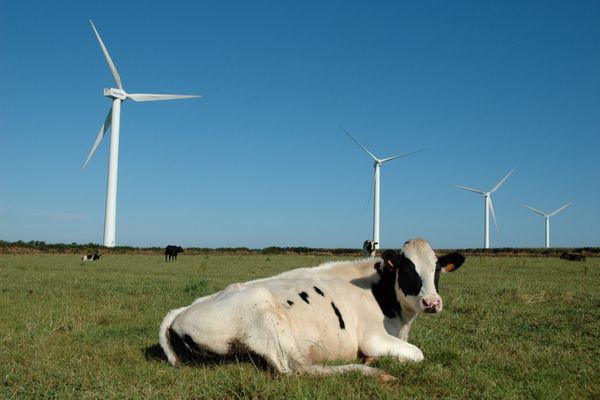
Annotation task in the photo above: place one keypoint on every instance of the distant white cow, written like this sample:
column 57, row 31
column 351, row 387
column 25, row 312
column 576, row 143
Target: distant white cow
column 301, row 318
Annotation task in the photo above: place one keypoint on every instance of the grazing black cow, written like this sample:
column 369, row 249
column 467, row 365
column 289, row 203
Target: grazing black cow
column 91, row 257
column 171, row 252
column 572, row 257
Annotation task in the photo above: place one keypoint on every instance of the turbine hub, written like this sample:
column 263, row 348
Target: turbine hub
column 115, row 93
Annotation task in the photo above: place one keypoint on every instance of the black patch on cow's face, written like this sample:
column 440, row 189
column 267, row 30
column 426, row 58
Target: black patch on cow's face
column 304, row 296
column 291, row 303
column 409, row 279
column 319, row 291
column 339, row 315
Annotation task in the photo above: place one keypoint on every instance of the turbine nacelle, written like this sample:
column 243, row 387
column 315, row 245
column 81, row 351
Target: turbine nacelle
column 115, row 93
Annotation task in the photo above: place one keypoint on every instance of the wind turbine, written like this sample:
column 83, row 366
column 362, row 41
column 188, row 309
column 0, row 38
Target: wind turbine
column 376, row 183
column 547, row 218
column 489, row 207
column 113, row 118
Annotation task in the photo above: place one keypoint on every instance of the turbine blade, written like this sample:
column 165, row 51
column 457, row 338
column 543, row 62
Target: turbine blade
column 560, row 209
column 402, row 155
column 111, row 65
column 502, row 181
column 469, row 189
column 534, row 210
column 156, row 97
column 101, row 134
column 493, row 213
column 358, row 143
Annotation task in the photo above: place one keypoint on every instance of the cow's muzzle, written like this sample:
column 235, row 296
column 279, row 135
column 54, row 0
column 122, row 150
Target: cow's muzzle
column 431, row 305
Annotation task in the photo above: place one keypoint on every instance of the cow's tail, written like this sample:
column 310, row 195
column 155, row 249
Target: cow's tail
column 164, row 335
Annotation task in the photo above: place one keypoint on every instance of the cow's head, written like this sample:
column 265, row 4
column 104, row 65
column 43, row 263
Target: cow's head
column 417, row 272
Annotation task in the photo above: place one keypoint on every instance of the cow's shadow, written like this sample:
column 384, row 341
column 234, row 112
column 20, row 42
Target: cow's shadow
column 156, row 353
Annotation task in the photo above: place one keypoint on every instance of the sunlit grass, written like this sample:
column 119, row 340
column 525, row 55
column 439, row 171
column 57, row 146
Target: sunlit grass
column 512, row 327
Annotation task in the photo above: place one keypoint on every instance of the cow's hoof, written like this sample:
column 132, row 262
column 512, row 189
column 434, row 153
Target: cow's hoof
column 386, row 378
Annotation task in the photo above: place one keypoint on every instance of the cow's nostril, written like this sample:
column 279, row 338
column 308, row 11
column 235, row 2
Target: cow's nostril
column 431, row 305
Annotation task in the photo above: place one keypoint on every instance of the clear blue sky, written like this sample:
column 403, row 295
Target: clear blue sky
column 260, row 160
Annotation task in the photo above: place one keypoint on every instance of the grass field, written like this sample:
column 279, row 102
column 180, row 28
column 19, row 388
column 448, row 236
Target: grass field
column 512, row 327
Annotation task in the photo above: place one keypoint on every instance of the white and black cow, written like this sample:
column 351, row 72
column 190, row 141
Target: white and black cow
column 171, row 252
column 301, row 318
column 91, row 257
column 369, row 248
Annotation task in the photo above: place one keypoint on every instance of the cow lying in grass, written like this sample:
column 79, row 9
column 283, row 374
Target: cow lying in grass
column 91, row 257
column 302, row 318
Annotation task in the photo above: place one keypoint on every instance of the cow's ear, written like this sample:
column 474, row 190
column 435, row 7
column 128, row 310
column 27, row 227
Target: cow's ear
column 451, row 261
column 390, row 259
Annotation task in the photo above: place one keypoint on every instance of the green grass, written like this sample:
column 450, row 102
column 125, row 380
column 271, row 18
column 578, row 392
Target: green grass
column 514, row 327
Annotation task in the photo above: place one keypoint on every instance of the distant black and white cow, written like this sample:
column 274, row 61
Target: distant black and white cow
column 91, row 257
column 369, row 248
column 302, row 318
column 171, row 252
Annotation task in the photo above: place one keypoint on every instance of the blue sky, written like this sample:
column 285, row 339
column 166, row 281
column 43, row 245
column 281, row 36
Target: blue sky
column 260, row 160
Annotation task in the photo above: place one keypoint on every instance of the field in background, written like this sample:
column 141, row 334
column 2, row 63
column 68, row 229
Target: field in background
column 512, row 327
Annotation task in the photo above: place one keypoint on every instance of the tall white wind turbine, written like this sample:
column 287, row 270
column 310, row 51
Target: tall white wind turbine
column 377, row 184
column 547, row 218
column 113, row 118
column 489, row 207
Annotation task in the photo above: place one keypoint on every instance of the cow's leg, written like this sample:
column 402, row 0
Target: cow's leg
column 387, row 345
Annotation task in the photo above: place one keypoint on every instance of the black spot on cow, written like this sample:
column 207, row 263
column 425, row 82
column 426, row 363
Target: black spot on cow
column 339, row 315
column 304, row 296
column 291, row 303
column 385, row 293
column 319, row 291
column 193, row 346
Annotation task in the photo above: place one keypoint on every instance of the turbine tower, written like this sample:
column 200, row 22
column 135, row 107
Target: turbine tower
column 117, row 95
column 488, row 207
column 377, row 184
column 547, row 218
